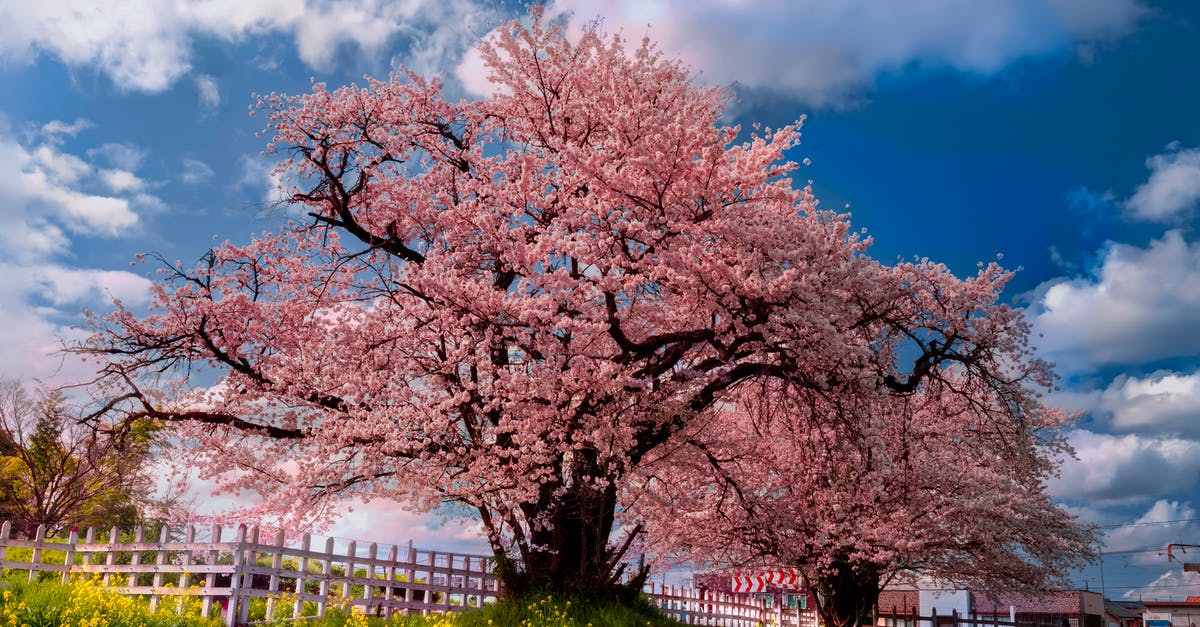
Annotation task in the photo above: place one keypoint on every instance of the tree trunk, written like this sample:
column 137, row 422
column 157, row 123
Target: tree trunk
column 572, row 554
column 848, row 593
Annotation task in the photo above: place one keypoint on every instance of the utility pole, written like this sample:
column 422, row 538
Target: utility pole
column 1188, row 567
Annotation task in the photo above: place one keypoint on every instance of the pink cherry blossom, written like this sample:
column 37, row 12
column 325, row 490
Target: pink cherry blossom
column 519, row 304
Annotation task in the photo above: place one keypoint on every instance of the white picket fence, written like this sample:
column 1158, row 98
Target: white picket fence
column 222, row 569
column 705, row 607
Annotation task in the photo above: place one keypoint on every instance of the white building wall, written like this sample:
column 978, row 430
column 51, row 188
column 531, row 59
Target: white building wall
column 945, row 602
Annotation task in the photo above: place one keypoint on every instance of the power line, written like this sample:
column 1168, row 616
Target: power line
column 1153, row 549
column 1150, row 523
column 1177, row 584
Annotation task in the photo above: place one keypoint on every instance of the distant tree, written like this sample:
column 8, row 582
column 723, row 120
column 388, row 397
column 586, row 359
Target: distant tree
column 946, row 483
column 57, row 472
column 514, row 303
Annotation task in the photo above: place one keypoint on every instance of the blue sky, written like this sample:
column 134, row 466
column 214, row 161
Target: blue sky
column 1061, row 134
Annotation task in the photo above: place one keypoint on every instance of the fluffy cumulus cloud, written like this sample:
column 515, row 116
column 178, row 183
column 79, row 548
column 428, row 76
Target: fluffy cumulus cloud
column 1163, row 402
column 1139, row 305
column 823, row 50
column 819, row 50
column 1163, row 523
column 146, row 44
column 40, row 303
column 51, row 198
column 1172, row 584
column 1126, row 468
column 47, row 190
column 1172, row 192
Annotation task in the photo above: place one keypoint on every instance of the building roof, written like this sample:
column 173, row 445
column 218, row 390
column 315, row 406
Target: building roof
column 1124, row 609
column 1189, row 604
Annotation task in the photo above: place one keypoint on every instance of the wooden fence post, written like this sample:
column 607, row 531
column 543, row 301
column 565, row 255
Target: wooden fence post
column 5, row 530
column 111, row 556
column 69, row 559
column 159, row 560
column 412, row 573
column 347, row 593
column 36, row 560
column 326, row 573
column 430, row 581
column 276, row 566
column 185, row 581
column 248, row 563
column 139, row 536
column 89, row 539
column 235, row 579
column 390, row 572
column 301, row 588
column 210, row 580
column 368, row 589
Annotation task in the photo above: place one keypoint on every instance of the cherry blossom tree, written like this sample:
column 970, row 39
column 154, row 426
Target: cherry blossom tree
column 944, row 484
column 511, row 303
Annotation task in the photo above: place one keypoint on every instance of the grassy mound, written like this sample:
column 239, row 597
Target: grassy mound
column 545, row 610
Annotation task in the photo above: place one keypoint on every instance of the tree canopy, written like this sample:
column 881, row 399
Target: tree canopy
column 514, row 303
column 945, row 485
column 59, row 473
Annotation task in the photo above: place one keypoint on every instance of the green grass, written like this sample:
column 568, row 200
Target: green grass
column 49, row 604
column 80, row 603
column 545, row 610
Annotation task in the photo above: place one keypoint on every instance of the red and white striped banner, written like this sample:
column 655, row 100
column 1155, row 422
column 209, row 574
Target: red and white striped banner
column 757, row 582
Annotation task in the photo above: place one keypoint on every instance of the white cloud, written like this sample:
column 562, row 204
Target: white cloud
column 146, row 45
column 1126, row 468
column 39, row 305
column 89, row 287
column 122, row 180
column 1165, row 522
column 824, row 50
column 195, row 172
column 118, row 155
column 1140, row 305
column 819, row 50
column 1172, row 584
column 50, row 197
column 361, row 522
column 44, row 183
column 357, row 519
column 1172, row 192
column 1163, row 402
column 259, row 173
column 208, row 90
column 53, row 129
column 62, row 168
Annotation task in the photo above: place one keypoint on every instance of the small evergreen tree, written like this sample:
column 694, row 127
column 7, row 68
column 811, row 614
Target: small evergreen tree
column 57, row 473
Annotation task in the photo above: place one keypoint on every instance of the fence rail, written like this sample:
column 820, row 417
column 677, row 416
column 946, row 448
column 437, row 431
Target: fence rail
column 705, row 607
column 227, row 568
